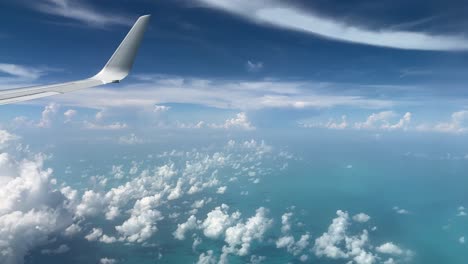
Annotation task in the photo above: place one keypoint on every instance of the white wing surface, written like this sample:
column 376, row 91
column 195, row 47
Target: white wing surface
column 116, row 69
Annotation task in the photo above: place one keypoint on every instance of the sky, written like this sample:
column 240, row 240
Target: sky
column 262, row 88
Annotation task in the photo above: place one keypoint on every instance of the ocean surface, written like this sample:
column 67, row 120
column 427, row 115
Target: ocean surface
column 414, row 190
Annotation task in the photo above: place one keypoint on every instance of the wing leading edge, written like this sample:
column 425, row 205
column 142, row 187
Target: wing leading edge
column 115, row 70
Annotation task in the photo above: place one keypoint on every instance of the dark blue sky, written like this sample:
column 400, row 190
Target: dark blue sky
column 216, row 40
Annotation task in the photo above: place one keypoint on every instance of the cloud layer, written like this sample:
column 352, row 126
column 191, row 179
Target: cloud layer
column 283, row 15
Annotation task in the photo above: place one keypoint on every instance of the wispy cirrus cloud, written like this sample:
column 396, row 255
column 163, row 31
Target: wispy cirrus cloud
column 287, row 16
column 21, row 71
column 80, row 11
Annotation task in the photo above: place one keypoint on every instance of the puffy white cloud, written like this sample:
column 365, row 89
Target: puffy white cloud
column 327, row 244
column 217, row 221
column 461, row 240
column 72, row 230
column 69, row 115
column 5, row 138
column 161, row 108
column 31, row 209
column 241, row 121
column 49, row 112
column 207, row 258
column 361, row 218
column 141, row 224
column 381, row 120
column 458, row 124
column 94, row 235
column 288, row 16
column 336, row 243
column 389, row 248
column 91, row 204
column 191, row 224
column 240, row 236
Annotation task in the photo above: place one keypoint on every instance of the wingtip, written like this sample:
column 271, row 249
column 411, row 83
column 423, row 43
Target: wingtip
column 145, row 16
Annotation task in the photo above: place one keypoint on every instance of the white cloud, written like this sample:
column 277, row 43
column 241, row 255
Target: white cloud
column 131, row 139
column 49, row 112
column 23, row 72
column 217, row 221
column 361, row 218
column 390, row 249
column 331, row 124
column 112, row 126
column 6, row 137
column 240, row 236
column 30, row 207
column 94, row 235
column 237, row 94
column 254, row 66
column 382, row 121
column 107, row 261
column 284, row 15
column 183, row 228
column 69, row 115
column 80, row 11
column 457, row 125
column 207, row 258
column 161, row 108
column 461, row 240
column 399, row 210
column 336, row 243
column 240, row 121
column 141, row 224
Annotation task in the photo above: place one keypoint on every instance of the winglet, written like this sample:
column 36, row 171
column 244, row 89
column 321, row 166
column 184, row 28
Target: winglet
column 121, row 62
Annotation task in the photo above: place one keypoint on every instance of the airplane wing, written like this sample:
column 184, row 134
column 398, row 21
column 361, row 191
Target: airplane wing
column 116, row 69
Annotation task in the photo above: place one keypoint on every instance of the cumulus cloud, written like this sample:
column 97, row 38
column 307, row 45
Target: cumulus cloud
column 47, row 114
column 31, row 209
column 80, row 11
column 390, row 248
column 382, row 121
column 69, row 115
column 141, row 224
column 240, row 122
column 337, row 243
column 458, row 124
column 161, row 108
column 287, row 16
column 361, row 218
column 240, row 237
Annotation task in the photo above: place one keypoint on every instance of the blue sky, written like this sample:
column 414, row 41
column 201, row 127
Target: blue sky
column 267, row 131
column 307, row 62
